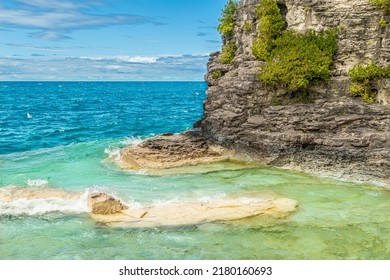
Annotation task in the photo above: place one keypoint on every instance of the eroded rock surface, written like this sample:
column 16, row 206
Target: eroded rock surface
column 330, row 133
column 171, row 150
column 105, row 208
column 196, row 213
column 104, row 204
column 333, row 133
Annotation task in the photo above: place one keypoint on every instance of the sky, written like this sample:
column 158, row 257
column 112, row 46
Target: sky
column 107, row 40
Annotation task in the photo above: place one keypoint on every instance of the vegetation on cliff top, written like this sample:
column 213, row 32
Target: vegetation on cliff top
column 226, row 28
column 270, row 28
column 364, row 78
column 227, row 21
column 298, row 61
column 293, row 61
column 382, row 4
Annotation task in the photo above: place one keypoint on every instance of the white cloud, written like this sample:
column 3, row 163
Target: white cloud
column 36, row 48
column 123, row 68
column 53, row 19
column 139, row 59
column 49, row 35
column 56, row 4
column 130, row 59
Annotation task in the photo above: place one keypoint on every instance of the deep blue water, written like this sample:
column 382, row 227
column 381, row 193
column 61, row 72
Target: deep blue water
column 35, row 115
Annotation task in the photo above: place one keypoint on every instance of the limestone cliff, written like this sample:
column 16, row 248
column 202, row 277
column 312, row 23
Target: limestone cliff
column 333, row 133
column 329, row 132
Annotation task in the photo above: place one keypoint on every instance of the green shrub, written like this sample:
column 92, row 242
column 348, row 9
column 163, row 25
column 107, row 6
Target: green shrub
column 363, row 77
column 341, row 28
column 382, row 23
column 228, row 53
column 363, row 90
column 362, row 73
column 248, row 26
column 298, row 61
column 270, row 28
column 216, row 74
column 227, row 21
column 382, row 4
column 293, row 61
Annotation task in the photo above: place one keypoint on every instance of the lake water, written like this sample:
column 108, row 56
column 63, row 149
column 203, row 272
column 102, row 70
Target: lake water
column 59, row 135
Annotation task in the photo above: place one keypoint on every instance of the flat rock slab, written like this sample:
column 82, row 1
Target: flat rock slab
column 171, row 151
column 12, row 193
column 107, row 209
column 197, row 213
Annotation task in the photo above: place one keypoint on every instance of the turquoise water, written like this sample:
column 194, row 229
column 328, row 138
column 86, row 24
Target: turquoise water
column 60, row 135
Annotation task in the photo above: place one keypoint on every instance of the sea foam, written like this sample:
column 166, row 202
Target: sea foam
column 132, row 141
column 113, row 153
column 37, row 183
column 39, row 206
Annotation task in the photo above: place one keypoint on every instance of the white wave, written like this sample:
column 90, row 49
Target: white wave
column 131, row 141
column 113, row 153
column 37, row 183
column 41, row 206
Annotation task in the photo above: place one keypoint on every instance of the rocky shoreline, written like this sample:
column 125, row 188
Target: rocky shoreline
column 329, row 132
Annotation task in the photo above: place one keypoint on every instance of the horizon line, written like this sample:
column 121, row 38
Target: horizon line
column 102, row 81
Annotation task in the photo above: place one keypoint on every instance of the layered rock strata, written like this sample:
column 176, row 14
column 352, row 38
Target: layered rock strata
column 333, row 133
column 329, row 133
column 170, row 151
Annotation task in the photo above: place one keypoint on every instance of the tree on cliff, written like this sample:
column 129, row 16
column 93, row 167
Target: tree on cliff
column 227, row 21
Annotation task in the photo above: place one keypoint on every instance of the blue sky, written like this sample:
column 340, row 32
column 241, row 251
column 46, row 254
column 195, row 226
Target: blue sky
column 107, row 39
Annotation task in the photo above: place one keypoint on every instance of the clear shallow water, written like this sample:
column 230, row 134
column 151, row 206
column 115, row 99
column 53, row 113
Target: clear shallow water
column 335, row 220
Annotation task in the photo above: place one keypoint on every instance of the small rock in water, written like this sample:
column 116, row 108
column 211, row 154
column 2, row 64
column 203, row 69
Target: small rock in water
column 104, row 204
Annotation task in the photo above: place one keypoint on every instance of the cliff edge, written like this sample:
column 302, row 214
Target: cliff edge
column 330, row 132
column 321, row 128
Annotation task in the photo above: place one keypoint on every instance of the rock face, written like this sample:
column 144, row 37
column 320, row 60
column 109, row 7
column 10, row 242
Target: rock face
column 361, row 38
column 333, row 134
